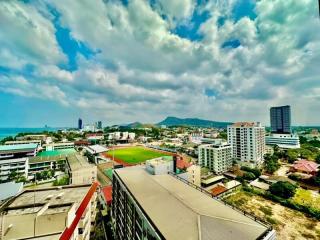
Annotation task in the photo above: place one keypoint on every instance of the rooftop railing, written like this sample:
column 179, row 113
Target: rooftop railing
column 248, row 214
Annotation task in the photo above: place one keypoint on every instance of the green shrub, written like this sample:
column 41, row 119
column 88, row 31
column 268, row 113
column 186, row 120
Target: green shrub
column 271, row 220
column 61, row 182
column 249, row 176
column 266, row 210
column 255, row 171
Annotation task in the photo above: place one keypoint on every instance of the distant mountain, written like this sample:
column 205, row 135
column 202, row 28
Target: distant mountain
column 135, row 125
column 174, row 121
column 139, row 125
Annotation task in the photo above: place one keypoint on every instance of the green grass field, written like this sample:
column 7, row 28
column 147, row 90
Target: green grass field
column 134, row 155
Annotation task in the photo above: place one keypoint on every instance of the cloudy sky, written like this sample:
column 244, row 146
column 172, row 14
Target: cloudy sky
column 138, row 60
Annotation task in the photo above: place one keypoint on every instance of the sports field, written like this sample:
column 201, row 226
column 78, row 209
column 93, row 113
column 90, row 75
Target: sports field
column 134, row 155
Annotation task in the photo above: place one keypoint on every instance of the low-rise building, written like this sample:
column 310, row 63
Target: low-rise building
column 17, row 165
column 93, row 152
column 192, row 174
column 14, row 158
column 284, row 141
column 147, row 206
column 217, row 156
column 40, row 163
column 260, row 185
column 45, row 213
column 305, row 166
column 57, row 146
column 41, row 137
column 80, row 170
column 131, row 135
column 39, row 142
column 161, row 165
column 18, row 150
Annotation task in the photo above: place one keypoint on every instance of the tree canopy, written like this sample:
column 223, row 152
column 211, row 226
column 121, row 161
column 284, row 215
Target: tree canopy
column 283, row 189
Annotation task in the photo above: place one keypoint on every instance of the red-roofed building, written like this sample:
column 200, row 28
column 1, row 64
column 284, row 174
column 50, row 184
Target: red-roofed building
column 181, row 164
column 305, row 166
column 218, row 190
column 81, row 143
column 107, row 194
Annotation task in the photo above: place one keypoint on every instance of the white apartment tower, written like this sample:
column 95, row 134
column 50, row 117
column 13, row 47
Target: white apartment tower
column 217, row 156
column 248, row 142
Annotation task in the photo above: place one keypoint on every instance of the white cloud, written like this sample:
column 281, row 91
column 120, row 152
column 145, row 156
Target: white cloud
column 144, row 72
column 54, row 72
column 177, row 10
column 28, row 35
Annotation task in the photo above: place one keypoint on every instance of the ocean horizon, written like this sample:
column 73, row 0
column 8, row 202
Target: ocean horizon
column 7, row 132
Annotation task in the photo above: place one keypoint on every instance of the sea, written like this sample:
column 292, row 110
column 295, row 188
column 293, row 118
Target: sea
column 7, row 132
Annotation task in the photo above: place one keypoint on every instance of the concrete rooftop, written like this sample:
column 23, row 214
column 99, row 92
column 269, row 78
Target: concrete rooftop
column 182, row 212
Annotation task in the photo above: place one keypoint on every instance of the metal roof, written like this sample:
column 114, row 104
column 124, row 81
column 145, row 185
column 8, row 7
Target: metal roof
column 9, row 189
column 18, row 147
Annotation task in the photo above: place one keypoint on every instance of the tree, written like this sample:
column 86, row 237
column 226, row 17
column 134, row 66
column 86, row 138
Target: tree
column 293, row 154
column 316, row 179
column 318, row 159
column 255, row 171
column 303, row 139
column 249, row 176
column 223, row 135
column 283, row 189
column 12, row 175
column 271, row 163
column 6, row 139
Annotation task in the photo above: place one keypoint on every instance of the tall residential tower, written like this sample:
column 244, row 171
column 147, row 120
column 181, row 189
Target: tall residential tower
column 248, row 142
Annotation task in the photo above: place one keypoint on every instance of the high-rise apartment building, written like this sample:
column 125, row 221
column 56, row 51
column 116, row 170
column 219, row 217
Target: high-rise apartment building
column 280, row 118
column 79, row 123
column 248, row 142
column 99, row 125
column 146, row 206
column 217, row 156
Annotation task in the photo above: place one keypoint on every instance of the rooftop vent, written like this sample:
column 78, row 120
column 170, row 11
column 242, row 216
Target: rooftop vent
column 60, row 195
column 49, row 197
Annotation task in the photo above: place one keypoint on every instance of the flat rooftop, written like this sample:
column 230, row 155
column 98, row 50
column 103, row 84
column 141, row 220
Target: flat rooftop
column 181, row 212
column 18, row 147
column 57, row 152
column 53, row 196
column 77, row 161
column 95, row 149
column 41, row 159
column 40, row 213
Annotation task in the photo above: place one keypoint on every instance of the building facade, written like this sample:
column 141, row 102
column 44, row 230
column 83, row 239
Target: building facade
column 14, row 158
column 280, row 118
column 217, row 156
column 284, row 141
column 248, row 142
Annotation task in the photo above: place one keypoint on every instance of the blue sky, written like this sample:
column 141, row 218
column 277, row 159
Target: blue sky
column 124, row 61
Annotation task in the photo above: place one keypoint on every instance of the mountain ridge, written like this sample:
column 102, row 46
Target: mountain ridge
column 196, row 122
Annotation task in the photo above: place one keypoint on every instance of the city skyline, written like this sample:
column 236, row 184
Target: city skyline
column 215, row 60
